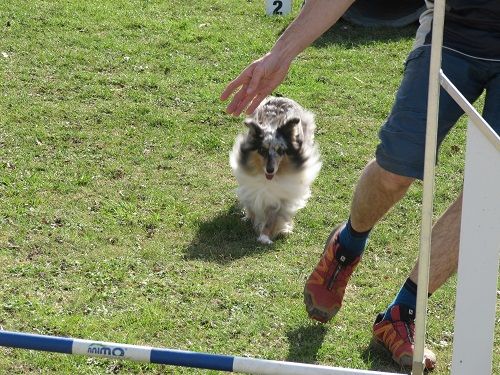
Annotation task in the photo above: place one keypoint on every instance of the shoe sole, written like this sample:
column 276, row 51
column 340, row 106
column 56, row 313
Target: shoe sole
column 404, row 361
column 315, row 312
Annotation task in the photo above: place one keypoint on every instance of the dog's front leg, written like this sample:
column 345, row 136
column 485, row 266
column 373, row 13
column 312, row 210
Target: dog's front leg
column 268, row 229
column 249, row 214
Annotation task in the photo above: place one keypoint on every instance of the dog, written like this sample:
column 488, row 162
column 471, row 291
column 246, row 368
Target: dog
column 275, row 163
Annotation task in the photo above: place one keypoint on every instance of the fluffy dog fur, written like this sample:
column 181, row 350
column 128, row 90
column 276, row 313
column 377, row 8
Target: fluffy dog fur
column 275, row 164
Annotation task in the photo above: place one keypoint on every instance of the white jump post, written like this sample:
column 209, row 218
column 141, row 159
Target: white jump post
column 480, row 228
column 479, row 254
column 428, row 190
column 479, row 245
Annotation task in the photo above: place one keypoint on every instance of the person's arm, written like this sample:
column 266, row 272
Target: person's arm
column 262, row 76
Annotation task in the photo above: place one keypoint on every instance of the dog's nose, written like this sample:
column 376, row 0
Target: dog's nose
column 270, row 170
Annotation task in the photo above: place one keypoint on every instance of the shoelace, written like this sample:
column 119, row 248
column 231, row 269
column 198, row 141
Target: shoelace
column 338, row 269
column 410, row 331
column 334, row 276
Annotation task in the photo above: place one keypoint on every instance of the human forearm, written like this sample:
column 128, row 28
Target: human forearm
column 316, row 17
column 262, row 76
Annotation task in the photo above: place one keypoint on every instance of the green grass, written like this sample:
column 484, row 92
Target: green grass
column 118, row 218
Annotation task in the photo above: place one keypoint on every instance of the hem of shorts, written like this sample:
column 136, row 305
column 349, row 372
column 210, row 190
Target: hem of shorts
column 397, row 168
column 461, row 53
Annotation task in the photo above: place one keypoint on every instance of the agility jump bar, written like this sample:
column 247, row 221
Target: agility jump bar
column 172, row 357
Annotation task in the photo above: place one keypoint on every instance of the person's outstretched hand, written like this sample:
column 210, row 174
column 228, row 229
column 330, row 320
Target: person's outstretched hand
column 257, row 81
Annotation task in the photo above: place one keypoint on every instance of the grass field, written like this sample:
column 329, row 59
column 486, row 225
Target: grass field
column 118, row 218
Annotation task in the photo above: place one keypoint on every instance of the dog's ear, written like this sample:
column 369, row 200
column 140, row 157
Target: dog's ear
column 292, row 130
column 254, row 128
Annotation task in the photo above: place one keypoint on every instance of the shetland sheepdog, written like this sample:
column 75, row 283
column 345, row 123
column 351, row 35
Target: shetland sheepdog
column 275, row 163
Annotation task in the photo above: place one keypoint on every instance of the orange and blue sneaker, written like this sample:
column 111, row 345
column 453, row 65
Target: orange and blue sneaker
column 325, row 287
column 396, row 336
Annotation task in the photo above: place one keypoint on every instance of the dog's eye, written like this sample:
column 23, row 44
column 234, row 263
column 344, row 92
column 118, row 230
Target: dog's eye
column 262, row 151
column 280, row 151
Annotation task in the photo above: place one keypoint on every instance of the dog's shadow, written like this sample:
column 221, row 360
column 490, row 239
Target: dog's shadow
column 225, row 238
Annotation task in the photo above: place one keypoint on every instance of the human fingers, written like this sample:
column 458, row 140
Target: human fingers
column 255, row 103
column 255, row 80
column 242, row 104
column 236, row 102
column 249, row 100
column 231, row 87
column 242, row 79
column 260, row 85
column 266, row 88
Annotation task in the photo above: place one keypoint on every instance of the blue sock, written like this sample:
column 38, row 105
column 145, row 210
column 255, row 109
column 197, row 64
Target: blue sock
column 353, row 242
column 407, row 296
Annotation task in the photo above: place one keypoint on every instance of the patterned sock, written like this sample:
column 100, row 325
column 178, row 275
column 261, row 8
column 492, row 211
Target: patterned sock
column 407, row 296
column 353, row 243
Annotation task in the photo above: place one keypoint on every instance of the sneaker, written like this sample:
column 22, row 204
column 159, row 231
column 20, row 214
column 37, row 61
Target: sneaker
column 396, row 336
column 325, row 287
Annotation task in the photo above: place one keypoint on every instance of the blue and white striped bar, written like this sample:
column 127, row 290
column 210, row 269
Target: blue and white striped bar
column 168, row 356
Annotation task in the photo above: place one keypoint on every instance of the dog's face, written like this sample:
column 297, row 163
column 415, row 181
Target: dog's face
column 274, row 144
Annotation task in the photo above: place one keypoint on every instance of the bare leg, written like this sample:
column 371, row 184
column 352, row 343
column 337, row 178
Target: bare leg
column 376, row 192
column 445, row 241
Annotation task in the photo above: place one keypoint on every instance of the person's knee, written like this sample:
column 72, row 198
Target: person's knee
column 392, row 182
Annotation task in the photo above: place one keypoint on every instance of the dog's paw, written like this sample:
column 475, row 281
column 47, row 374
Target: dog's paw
column 263, row 239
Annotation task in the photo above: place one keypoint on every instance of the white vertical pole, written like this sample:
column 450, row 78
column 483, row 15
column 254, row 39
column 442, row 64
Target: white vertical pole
column 479, row 255
column 428, row 193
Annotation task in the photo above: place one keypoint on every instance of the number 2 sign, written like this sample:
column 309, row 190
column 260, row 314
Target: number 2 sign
column 278, row 7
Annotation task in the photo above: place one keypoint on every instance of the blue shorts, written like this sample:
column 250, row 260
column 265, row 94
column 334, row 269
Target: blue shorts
column 402, row 137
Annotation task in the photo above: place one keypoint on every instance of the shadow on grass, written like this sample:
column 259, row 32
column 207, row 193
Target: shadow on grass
column 347, row 35
column 225, row 238
column 305, row 343
column 380, row 359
